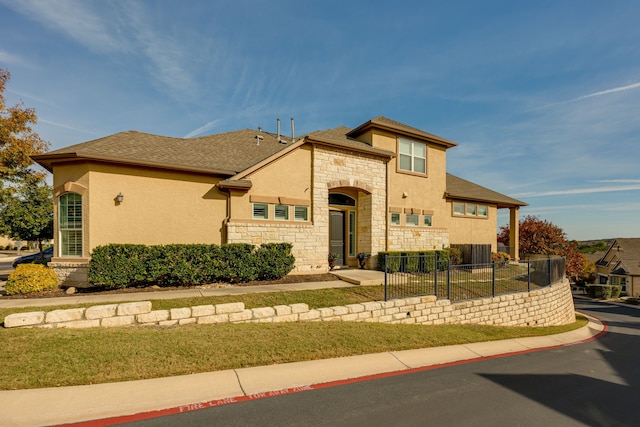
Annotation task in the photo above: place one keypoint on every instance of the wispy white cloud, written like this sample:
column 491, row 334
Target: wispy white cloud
column 580, row 191
column 65, row 126
column 204, row 128
column 608, row 91
column 11, row 59
column 75, row 19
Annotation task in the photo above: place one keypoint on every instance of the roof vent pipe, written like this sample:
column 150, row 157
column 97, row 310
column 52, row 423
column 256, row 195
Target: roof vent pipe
column 278, row 129
column 292, row 130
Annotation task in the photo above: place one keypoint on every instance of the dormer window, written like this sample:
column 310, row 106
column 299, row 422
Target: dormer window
column 412, row 156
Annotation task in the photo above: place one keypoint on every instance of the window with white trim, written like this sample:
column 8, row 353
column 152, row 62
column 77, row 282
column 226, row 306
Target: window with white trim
column 300, row 213
column 412, row 156
column 412, row 220
column 395, row 218
column 281, row 212
column 70, row 224
column 260, row 211
column 427, row 220
column 470, row 210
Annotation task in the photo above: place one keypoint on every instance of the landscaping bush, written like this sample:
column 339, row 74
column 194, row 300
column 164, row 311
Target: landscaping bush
column 274, row 260
column 616, row 290
column 414, row 261
column 120, row 266
column 599, row 291
column 28, row 278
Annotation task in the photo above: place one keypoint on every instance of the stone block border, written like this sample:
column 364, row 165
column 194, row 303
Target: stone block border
column 548, row 306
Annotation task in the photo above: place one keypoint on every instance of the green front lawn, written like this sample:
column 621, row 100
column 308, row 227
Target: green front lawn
column 33, row 358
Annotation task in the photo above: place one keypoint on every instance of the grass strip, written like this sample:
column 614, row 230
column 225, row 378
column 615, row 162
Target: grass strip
column 34, row 358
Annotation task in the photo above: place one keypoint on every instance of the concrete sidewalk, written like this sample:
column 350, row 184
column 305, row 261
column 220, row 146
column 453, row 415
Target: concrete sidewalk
column 190, row 392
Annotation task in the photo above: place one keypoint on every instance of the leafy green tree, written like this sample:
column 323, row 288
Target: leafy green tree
column 18, row 141
column 28, row 213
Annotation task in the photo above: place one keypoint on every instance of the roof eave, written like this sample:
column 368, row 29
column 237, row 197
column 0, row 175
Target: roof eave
column 434, row 139
column 47, row 161
column 501, row 204
column 369, row 150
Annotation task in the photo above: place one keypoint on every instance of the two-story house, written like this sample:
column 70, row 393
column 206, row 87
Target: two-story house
column 380, row 186
column 620, row 265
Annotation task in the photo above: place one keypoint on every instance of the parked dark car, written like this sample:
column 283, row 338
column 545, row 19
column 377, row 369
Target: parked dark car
column 28, row 259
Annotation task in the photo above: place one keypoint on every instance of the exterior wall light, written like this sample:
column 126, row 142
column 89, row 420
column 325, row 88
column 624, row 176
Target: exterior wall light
column 119, row 198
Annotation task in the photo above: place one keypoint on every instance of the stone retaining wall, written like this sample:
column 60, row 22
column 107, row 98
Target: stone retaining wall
column 548, row 306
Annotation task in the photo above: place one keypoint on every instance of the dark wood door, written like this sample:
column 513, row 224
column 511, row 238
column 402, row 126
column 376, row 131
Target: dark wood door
column 336, row 235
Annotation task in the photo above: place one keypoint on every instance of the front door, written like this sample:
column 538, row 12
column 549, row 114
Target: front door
column 336, row 235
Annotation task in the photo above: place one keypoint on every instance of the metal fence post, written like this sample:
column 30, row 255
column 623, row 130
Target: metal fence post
column 549, row 269
column 493, row 278
column 386, row 274
column 528, row 275
column 435, row 275
column 448, row 279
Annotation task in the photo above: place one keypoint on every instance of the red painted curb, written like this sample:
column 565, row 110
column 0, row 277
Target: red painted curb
column 226, row 401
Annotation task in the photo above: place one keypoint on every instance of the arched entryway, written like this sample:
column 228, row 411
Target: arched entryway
column 348, row 224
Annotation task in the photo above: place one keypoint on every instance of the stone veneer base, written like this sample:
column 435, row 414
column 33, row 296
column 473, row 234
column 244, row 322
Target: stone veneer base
column 548, row 306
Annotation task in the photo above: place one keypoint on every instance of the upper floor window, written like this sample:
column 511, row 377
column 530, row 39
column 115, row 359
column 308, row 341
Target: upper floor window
column 470, row 210
column 70, row 224
column 412, row 156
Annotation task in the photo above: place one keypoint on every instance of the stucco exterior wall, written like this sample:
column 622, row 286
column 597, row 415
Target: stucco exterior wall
column 470, row 230
column 159, row 207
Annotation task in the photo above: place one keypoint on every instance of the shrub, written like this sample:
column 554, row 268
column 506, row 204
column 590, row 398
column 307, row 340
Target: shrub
column 616, row 290
column 274, row 260
column 119, row 266
column 30, row 278
column 599, row 291
column 414, row 261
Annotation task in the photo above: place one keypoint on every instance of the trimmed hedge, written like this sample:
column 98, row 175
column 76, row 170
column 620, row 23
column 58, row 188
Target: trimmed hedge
column 124, row 265
column 30, row 278
column 422, row 261
column 603, row 291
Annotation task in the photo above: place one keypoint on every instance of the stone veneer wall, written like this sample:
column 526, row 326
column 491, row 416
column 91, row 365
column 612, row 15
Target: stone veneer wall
column 417, row 238
column 311, row 241
column 71, row 273
column 548, row 306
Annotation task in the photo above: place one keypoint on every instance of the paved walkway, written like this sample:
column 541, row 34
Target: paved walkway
column 137, row 399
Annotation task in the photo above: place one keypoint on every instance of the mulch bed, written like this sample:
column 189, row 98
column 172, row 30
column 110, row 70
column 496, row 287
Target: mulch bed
column 60, row 292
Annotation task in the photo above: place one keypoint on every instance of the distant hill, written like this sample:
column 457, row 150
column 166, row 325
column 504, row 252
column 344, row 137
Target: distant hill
column 593, row 246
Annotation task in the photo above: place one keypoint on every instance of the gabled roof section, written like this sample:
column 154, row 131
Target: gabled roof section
column 224, row 154
column 627, row 251
column 387, row 124
column 338, row 137
column 458, row 188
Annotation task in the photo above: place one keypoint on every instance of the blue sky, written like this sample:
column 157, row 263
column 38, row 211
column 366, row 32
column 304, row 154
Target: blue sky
column 543, row 97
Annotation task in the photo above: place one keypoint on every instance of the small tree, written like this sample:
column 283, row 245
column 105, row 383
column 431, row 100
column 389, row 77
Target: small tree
column 28, row 214
column 18, row 142
column 538, row 236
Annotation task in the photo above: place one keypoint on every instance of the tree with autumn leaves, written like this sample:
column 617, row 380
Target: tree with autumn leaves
column 26, row 206
column 539, row 236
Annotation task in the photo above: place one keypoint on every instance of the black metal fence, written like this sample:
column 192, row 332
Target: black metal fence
column 420, row 275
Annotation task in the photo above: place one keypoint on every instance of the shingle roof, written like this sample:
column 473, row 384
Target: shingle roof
column 386, row 123
column 338, row 137
column 225, row 153
column 629, row 254
column 458, row 188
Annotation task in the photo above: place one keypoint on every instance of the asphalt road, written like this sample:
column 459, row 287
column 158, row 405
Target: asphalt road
column 595, row 384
